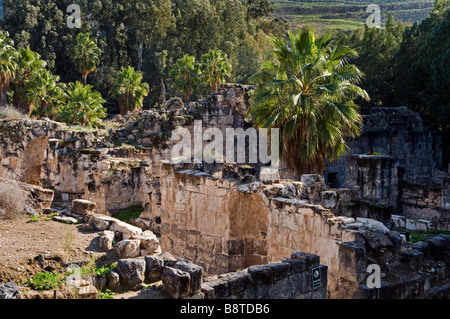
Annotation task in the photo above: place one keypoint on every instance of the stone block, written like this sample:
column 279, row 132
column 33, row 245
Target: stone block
column 195, row 272
column 149, row 241
column 279, row 289
column 261, row 274
column 220, row 289
column 127, row 230
column 131, row 272
column 128, row 248
column 10, row 291
column 280, row 270
column 238, row 282
column 310, row 259
column 235, row 247
column 297, row 265
column 106, row 240
column 83, row 207
column 176, row 282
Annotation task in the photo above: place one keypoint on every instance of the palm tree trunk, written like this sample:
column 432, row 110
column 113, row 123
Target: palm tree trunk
column 85, row 79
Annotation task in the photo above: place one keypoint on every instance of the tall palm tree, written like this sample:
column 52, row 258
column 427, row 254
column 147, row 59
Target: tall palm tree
column 185, row 75
column 215, row 67
column 8, row 64
column 85, row 54
column 129, row 90
column 308, row 91
column 28, row 66
column 83, row 106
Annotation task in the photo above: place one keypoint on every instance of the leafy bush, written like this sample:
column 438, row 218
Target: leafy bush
column 45, row 281
column 108, row 294
column 83, row 106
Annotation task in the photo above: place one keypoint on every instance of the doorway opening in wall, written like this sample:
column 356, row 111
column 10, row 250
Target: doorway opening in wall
column 333, row 180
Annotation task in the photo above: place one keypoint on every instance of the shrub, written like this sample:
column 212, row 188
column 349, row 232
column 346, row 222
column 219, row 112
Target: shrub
column 10, row 113
column 13, row 200
column 45, row 281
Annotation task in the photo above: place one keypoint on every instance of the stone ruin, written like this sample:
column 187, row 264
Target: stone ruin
column 226, row 232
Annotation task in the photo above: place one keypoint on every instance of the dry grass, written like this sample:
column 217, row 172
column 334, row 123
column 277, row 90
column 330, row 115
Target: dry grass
column 10, row 113
column 13, row 200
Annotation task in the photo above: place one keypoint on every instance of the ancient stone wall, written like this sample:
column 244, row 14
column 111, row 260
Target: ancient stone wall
column 373, row 178
column 291, row 278
column 224, row 227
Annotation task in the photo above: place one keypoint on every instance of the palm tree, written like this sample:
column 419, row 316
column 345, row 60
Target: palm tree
column 47, row 93
column 83, row 106
column 307, row 91
column 28, row 65
column 185, row 75
column 215, row 67
column 85, row 54
column 8, row 64
column 129, row 90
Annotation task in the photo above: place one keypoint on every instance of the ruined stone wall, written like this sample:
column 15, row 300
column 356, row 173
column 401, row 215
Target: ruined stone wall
column 291, row 278
column 373, row 178
column 74, row 164
column 224, row 227
column 425, row 202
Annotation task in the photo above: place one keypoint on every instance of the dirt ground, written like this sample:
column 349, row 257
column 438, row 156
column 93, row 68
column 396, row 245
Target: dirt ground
column 22, row 240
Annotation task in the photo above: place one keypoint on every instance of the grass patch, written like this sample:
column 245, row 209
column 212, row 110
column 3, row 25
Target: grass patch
column 421, row 235
column 130, row 213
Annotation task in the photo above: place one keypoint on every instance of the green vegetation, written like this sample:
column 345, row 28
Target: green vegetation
column 136, row 53
column 130, row 213
column 347, row 15
column 421, row 235
column 45, row 281
column 129, row 90
column 307, row 91
column 108, row 294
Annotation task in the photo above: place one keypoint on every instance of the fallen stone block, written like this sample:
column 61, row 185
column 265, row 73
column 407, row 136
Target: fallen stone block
column 149, row 241
column 83, row 207
column 176, row 282
column 195, row 272
column 106, row 240
column 127, row 230
column 128, row 248
column 131, row 272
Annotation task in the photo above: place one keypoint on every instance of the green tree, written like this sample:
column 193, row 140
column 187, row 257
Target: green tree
column 85, row 54
column 215, row 66
column 82, row 106
column 307, row 90
column 147, row 21
column 185, row 74
column 47, row 94
column 422, row 68
column 258, row 8
column 8, row 64
column 28, row 65
column 129, row 90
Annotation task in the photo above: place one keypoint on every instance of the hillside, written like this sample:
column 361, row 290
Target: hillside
column 347, row 15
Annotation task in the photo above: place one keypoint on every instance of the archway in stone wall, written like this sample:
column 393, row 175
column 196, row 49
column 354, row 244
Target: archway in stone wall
column 32, row 160
column 249, row 222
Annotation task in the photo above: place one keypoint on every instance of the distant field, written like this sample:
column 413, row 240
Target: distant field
column 347, row 15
